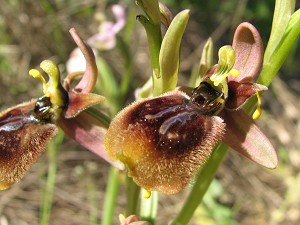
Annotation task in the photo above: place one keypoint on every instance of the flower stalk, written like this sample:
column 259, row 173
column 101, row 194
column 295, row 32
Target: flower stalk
column 111, row 197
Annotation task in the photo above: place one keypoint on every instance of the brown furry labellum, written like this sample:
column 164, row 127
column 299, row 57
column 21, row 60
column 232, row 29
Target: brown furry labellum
column 24, row 132
column 163, row 141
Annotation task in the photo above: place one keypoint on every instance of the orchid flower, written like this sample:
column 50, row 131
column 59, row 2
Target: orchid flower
column 105, row 39
column 239, row 65
column 164, row 140
column 26, row 128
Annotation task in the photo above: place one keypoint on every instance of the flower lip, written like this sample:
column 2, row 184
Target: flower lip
column 175, row 139
column 22, row 138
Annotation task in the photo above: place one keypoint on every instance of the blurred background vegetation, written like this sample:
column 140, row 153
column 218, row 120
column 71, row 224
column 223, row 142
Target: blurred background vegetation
column 242, row 193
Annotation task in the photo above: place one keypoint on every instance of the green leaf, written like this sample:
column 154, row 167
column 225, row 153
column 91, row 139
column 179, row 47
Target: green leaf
column 282, row 13
column 154, row 42
column 271, row 67
column 111, row 196
column 108, row 84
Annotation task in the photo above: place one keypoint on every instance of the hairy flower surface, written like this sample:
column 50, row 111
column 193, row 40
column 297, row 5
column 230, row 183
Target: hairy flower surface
column 163, row 140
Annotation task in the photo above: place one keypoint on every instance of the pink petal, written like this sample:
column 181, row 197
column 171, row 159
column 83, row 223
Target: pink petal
column 239, row 93
column 81, row 101
column 119, row 13
column 132, row 220
column 105, row 39
column 88, row 132
column 76, row 61
column 249, row 52
column 89, row 78
column 245, row 137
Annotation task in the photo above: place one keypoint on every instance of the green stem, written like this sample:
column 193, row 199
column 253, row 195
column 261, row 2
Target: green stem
column 92, row 194
column 111, row 195
column 47, row 199
column 203, row 180
column 127, row 74
column 154, row 37
column 108, row 84
column 132, row 195
column 104, row 119
column 148, row 210
column 154, row 40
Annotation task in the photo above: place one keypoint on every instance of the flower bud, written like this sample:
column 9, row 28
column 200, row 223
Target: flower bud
column 151, row 8
column 166, row 15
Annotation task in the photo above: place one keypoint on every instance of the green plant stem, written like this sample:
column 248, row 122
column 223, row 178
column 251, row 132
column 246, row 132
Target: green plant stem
column 154, row 41
column 202, row 182
column 148, row 210
column 127, row 70
column 108, row 84
column 92, row 194
column 132, row 196
column 47, row 198
column 111, row 196
column 104, row 119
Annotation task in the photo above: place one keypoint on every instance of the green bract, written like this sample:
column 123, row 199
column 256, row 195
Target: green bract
column 169, row 52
